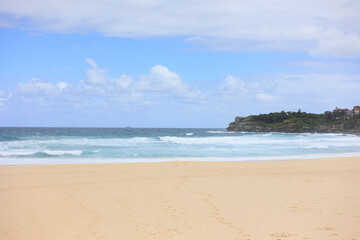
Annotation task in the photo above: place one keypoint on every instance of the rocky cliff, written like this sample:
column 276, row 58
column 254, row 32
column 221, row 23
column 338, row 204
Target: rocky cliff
column 305, row 123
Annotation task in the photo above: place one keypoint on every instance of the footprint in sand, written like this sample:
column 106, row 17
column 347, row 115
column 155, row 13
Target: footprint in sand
column 324, row 228
column 279, row 236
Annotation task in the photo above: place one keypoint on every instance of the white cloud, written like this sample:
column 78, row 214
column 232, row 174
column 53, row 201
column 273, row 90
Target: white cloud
column 95, row 75
column 319, row 86
column 232, row 85
column 38, row 87
column 123, row 82
column 161, row 79
column 161, row 85
column 166, row 80
column 298, row 89
column 48, row 92
column 338, row 45
column 4, row 97
column 325, row 65
column 164, row 95
column 162, row 88
column 98, row 86
column 266, row 97
column 246, row 87
column 61, row 85
column 320, row 27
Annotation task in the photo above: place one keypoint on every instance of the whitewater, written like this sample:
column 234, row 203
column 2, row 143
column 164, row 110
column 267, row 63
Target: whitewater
column 110, row 145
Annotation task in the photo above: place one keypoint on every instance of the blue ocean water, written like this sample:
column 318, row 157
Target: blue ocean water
column 101, row 145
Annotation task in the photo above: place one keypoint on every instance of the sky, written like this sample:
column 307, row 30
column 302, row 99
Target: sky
column 156, row 63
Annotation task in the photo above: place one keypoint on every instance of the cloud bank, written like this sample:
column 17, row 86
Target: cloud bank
column 97, row 86
column 162, row 86
column 321, row 27
column 161, row 97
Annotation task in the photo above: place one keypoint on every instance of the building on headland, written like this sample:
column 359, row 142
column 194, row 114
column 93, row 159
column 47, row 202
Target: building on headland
column 355, row 112
column 341, row 113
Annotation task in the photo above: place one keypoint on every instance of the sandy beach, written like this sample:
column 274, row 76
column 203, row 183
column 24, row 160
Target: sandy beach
column 297, row 199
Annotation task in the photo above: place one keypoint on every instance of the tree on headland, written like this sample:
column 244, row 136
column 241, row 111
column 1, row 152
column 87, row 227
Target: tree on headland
column 328, row 116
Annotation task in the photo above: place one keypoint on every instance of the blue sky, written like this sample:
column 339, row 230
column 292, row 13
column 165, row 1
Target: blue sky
column 174, row 63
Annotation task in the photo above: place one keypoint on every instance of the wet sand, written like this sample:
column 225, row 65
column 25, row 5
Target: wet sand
column 297, row 199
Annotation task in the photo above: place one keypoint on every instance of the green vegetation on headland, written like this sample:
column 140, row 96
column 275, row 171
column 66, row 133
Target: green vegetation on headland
column 298, row 122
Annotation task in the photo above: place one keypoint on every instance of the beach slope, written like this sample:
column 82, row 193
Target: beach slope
column 298, row 199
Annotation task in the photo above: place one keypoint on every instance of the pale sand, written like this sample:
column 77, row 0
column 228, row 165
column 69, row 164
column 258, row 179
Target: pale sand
column 307, row 199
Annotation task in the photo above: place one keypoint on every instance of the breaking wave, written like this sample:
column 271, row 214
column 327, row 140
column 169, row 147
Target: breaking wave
column 159, row 144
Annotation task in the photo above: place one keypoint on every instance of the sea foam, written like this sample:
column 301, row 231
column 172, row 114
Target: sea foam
column 134, row 145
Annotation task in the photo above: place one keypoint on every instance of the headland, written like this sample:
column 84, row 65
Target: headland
column 337, row 121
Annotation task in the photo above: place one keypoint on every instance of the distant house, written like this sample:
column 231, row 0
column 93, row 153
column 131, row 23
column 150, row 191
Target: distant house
column 341, row 113
column 355, row 112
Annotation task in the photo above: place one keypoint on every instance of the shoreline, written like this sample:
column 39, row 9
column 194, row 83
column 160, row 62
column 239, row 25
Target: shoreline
column 176, row 162
column 298, row 199
column 83, row 161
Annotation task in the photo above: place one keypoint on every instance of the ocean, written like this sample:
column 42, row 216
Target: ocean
column 110, row 145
